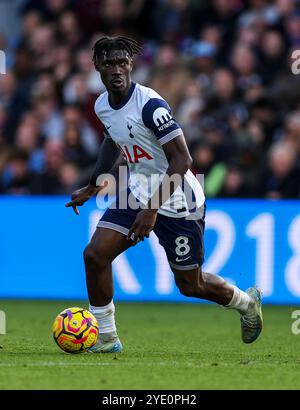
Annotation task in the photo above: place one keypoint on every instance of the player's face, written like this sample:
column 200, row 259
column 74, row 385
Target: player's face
column 115, row 69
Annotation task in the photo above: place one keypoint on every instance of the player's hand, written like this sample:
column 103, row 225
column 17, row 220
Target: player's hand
column 143, row 224
column 80, row 196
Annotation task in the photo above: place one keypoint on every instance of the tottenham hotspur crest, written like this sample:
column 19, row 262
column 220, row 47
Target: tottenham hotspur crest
column 130, row 128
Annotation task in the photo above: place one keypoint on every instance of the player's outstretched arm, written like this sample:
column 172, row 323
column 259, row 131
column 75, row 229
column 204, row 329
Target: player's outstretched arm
column 108, row 155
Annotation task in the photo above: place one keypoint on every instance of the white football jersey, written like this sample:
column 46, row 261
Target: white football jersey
column 140, row 125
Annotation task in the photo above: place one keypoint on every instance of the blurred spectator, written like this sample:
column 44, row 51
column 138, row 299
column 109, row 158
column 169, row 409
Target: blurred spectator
column 283, row 174
column 47, row 181
column 203, row 62
column 68, row 178
column 68, row 29
column 112, row 16
column 291, row 133
column 234, row 185
column 189, row 111
column 223, row 96
column 293, row 28
column 15, row 178
column 244, row 65
column 31, row 21
column 74, row 151
column 63, row 65
column 41, row 43
column 205, row 163
column 273, row 53
column 174, row 20
column 169, row 75
column 73, row 116
column 264, row 112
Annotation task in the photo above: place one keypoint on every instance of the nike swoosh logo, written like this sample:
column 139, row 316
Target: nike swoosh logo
column 108, row 127
column 181, row 260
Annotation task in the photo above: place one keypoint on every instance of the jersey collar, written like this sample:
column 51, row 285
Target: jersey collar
column 126, row 99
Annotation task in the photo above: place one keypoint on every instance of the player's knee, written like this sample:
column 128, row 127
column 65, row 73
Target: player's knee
column 94, row 258
column 185, row 288
column 90, row 256
column 186, row 291
column 190, row 289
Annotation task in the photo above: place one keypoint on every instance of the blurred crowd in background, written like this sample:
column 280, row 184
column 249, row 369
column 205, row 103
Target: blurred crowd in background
column 224, row 66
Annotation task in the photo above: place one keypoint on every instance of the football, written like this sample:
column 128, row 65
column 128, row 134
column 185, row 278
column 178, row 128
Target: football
column 75, row 330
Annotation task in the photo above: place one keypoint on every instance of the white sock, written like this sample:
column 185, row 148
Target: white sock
column 240, row 300
column 105, row 316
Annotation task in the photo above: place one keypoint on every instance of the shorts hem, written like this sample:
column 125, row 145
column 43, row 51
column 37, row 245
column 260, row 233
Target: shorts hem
column 186, row 267
column 114, row 227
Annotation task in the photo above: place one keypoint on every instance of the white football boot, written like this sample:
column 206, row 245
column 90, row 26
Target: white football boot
column 252, row 321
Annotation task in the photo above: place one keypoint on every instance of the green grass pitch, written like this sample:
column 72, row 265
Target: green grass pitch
column 166, row 346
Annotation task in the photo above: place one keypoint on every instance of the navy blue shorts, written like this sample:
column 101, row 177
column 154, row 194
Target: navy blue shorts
column 181, row 238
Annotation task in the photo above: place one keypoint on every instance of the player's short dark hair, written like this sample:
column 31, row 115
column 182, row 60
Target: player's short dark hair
column 106, row 44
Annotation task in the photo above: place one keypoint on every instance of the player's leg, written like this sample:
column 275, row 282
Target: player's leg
column 108, row 241
column 203, row 285
column 195, row 283
column 182, row 240
column 104, row 247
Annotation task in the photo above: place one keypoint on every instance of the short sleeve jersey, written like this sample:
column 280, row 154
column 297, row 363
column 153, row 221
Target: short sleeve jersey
column 140, row 126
